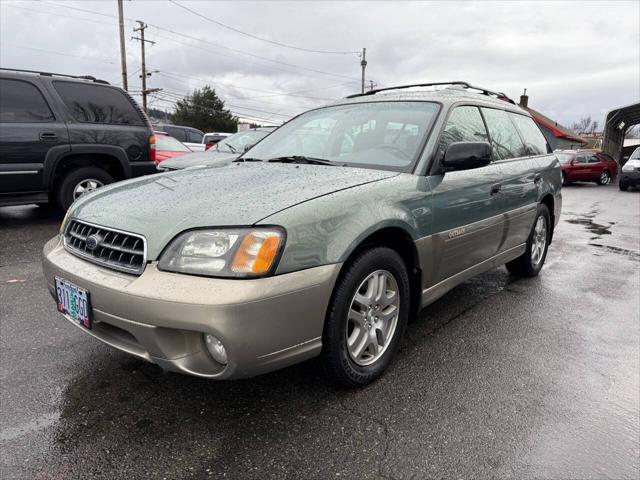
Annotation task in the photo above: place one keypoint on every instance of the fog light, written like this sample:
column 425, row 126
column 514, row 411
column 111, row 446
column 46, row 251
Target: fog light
column 216, row 348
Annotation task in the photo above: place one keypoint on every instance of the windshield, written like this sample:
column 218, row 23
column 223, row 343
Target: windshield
column 384, row 135
column 565, row 157
column 239, row 142
column 635, row 155
column 166, row 143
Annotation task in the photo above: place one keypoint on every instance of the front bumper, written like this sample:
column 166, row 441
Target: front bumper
column 265, row 324
column 630, row 178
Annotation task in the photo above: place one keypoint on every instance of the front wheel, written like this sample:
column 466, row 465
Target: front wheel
column 366, row 318
column 624, row 186
column 604, row 178
column 564, row 178
column 530, row 262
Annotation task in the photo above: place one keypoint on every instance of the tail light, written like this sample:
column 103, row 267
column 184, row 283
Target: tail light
column 208, row 146
column 152, row 149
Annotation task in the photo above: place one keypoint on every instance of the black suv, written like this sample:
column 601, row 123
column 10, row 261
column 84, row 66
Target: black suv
column 62, row 136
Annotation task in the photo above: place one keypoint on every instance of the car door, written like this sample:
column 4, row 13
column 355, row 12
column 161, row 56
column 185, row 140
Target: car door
column 595, row 166
column 28, row 130
column 466, row 219
column 580, row 167
column 517, row 143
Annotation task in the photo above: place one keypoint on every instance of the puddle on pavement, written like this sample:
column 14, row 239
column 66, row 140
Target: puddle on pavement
column 592, row 226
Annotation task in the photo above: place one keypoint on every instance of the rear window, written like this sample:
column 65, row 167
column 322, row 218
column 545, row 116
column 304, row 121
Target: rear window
column 166, row 143
column 534, row 141
column 175, row 132
column 91, row 103
column 22, row 102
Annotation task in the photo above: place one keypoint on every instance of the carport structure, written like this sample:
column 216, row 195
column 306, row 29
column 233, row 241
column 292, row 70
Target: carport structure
column 618, row 122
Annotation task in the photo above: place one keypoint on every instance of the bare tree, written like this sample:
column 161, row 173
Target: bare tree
column 584, row 125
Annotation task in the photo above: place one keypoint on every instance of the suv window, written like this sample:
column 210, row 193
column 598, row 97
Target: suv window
column 464, row 125
column 534, row 141
column 91, row 103
column 175, row 132
column 505, row 140
column 193, row 136
column 22, row 102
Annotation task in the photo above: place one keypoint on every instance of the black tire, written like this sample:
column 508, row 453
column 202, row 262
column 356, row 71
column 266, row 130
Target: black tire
column 65, row 191
column 623, row 186
column 604, row 178
column 523, row 266
column 335, row 359
column 564, row 179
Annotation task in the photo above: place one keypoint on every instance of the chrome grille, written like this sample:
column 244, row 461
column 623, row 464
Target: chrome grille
column 115, row 249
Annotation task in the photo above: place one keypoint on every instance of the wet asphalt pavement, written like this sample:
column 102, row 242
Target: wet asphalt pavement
column 509, row 378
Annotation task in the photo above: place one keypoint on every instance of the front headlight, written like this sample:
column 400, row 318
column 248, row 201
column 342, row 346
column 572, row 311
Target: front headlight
column 229, row 252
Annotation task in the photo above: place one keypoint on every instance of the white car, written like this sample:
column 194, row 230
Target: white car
column 210, row 139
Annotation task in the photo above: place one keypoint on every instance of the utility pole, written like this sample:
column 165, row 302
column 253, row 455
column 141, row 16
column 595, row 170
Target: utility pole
column 363, row 64
column 123, row 54
column 372, row 85
column 145, row 90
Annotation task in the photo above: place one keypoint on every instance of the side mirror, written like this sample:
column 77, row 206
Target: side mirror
column 572, row 163
column 466, row 155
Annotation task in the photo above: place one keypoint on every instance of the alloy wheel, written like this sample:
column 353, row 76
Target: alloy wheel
column 539, row 240
column 605, row 178
column 85, row 186
column 373, row 317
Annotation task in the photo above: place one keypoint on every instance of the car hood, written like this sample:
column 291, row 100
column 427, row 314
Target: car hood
column 198, row 158
column 162, row 205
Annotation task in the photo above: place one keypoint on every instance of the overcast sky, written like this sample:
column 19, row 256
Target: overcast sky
column 575, row 59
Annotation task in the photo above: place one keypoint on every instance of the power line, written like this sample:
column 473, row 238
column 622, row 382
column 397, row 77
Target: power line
column 216, row 45
column 260, row 38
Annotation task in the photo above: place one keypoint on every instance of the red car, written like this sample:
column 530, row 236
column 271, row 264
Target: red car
column 168, row 147
column 586, row 166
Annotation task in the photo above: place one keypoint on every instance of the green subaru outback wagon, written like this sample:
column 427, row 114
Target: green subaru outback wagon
column 323, row 240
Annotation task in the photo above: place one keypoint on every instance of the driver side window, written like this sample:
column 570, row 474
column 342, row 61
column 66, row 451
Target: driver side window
column 464, row 125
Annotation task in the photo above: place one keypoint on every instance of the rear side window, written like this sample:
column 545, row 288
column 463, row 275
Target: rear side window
column 193, row 136
column 464, row 125
column 505, row 140
column 22, row 102
column 175, row 132
column 534, row 141
column 91, row 103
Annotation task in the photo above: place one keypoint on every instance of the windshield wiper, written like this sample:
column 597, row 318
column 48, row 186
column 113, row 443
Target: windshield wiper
column 233, row 150
column 248, row 159
column 301, row 159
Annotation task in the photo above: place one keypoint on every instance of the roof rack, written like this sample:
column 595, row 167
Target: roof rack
column 51, row 74
column 466, row 85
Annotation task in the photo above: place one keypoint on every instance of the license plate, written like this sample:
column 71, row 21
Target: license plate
column 74, row 302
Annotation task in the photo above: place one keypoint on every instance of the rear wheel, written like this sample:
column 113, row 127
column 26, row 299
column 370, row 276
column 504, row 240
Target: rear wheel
column 366, row 318
column 530, row 262
column 80, row 181
column 604, row 178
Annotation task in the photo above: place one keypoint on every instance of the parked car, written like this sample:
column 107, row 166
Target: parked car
column 225, row 151
column 191, row 137
column 62, row 136
column 630, row 176
column 319, row 248
column 210, row 139
column 168, row 147
column 587, row 166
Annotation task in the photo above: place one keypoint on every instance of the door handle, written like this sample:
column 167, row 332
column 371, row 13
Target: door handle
column 48, row 137
column 495, row 189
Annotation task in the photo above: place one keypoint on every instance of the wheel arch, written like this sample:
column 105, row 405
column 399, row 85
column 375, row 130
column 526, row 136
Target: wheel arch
column 110, row 158
column 399, row 239
column 549, row 202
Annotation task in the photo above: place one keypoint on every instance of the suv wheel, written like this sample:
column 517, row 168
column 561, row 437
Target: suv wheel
column 366, row 318
column 80, row 181
column 604, row 178
column 530, row 262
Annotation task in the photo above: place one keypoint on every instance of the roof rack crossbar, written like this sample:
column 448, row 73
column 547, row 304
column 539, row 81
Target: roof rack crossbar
column 462, row 84
column 52, row 74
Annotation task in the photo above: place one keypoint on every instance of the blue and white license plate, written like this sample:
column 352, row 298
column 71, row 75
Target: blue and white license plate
column 74, row 302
